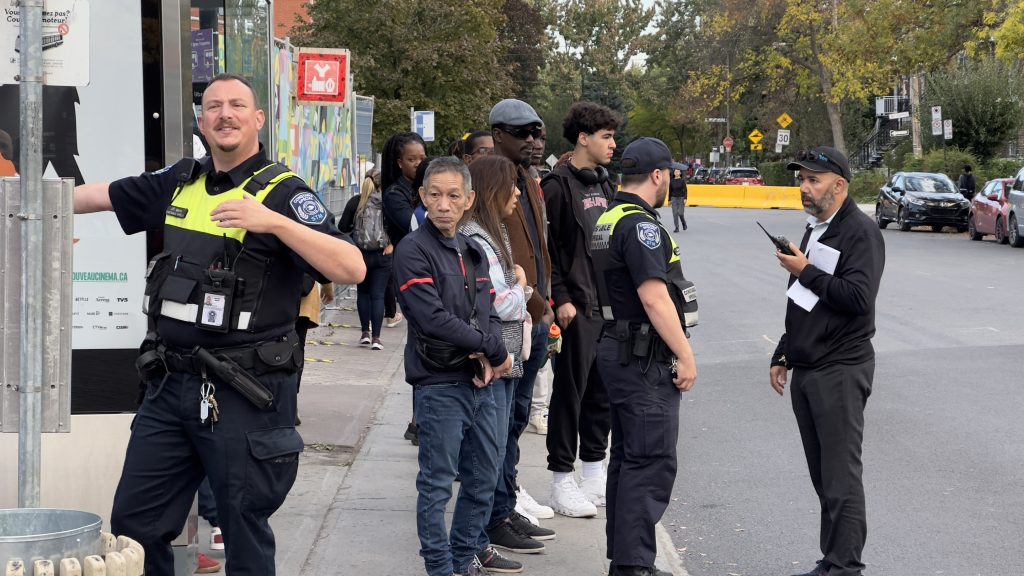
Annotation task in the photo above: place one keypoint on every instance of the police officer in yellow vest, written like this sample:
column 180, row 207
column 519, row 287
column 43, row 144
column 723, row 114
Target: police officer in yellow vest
column 219, row 364
column 644, row 356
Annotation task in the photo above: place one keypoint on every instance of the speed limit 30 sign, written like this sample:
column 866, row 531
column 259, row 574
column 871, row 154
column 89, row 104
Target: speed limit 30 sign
column 783, row 138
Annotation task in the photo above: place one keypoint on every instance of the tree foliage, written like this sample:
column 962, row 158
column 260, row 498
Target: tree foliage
column 429, row 54
column 983, row 101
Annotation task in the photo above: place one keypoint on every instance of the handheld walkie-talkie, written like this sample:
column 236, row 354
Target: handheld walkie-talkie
column 780, row 242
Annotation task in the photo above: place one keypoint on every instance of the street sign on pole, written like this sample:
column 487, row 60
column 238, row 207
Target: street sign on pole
column 785, row 120
column 715, row 120
column 783, row 138
column 947, row 129
column 895, row 133
column 899, row 115
column 936, row 120
column 778, row 148
column 728, row 143
column 756, row 147
column 755, row 136
column 551, row 160
column 936, row 113
column 423, row 124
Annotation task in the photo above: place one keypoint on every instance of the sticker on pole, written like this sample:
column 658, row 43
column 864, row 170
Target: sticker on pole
column 65, row 40
column 323, row 76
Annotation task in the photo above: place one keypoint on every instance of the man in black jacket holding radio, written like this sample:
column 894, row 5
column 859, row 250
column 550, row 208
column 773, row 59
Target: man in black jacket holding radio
column 830, row 319
column 453, row 352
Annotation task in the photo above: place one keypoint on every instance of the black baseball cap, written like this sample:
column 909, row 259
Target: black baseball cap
column 645, row 155
column 822, row 159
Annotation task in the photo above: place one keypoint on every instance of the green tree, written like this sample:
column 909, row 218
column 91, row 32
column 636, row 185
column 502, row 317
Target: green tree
column 983, row 101
column 429, row 54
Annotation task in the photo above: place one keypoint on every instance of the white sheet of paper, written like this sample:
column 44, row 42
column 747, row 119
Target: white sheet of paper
column 824, row 258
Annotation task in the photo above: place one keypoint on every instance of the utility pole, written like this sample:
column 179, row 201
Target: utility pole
column 915, row 119
column 30, row 220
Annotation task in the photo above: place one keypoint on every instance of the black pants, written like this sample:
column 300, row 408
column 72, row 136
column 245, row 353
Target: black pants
column 251, row 457
column 579, row 402
column 829, row 407
column 642, row 468
column 390, row 298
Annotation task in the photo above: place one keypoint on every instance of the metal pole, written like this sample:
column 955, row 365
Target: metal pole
column 31, row 169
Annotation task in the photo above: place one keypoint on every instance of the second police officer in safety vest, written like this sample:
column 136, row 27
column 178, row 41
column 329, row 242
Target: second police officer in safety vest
column 220, row 361
column 643, row 355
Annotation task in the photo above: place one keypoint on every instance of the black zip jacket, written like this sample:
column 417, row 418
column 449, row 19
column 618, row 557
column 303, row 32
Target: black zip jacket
column 839, row 328
column 572, row 266
column 435, row 297
column 397, row 208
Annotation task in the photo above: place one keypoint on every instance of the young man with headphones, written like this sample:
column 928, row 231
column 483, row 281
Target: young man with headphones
column 576, row 195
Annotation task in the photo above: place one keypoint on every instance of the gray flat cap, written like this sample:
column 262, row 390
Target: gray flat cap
column 513, row 112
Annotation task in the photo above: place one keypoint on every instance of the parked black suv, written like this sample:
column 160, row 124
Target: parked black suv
column 921, row 198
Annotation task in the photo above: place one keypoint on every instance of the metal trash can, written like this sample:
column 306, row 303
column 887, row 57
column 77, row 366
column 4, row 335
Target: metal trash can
column 49, row 534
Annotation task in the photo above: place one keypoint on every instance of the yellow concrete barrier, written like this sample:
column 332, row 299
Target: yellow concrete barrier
column 729, row 196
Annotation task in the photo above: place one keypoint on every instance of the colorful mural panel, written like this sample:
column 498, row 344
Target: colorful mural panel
column 314, row 141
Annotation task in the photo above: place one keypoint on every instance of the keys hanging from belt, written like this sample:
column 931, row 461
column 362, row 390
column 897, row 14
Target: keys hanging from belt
column 208, row 409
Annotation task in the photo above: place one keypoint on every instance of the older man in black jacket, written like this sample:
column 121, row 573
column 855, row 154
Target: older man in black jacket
column 830, row 319
column 454, row 350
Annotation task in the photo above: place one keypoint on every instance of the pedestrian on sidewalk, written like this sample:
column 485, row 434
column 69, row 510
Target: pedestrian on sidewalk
column 828, row 347
column 239, row 231
column 515, row 126
column 477, row 145
column 363, row 218
column 454, row 351
column 677, row 193
column 402, row 153
column 644, row 353
column 494, row 180
column 576, row 195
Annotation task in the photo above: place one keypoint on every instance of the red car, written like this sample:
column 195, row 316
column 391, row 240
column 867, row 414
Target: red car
column 743, row 177
column 990, row 209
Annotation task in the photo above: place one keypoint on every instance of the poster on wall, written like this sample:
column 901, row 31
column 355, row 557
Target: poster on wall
column 65, row 42
column 79, row 143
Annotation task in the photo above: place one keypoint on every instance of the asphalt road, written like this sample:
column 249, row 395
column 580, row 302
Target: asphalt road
column 944, row 442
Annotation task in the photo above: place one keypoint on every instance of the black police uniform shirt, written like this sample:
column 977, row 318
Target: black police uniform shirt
column 641, row 246
column 140, row 203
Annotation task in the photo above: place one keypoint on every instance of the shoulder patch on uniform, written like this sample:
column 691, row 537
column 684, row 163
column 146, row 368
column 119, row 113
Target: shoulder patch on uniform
column 308, row 208
column 649, row 233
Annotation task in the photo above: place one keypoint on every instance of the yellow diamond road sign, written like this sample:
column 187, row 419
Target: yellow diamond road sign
column 756, row 147
column 755, row 136
column 784, row 120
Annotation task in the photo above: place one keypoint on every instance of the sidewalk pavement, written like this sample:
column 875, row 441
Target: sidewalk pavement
column 352, row 508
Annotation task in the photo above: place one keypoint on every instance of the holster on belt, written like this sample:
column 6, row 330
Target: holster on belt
column 228, row 371
column 622, row 335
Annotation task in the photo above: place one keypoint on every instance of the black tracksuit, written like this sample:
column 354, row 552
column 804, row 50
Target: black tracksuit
column 830, row 352
column 579, row 402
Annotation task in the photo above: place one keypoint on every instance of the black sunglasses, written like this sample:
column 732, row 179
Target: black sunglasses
column 813, row 156
column 522, row 132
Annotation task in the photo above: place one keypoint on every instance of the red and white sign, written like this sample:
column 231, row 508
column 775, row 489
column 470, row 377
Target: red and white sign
column 323, row 76
column 727, row 143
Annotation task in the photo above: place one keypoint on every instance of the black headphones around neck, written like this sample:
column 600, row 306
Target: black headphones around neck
column 588, row 176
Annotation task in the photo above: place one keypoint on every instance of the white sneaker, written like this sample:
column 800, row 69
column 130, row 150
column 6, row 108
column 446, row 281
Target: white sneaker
column 538, row 423
column 529, row 517
column 531, row 507
column 568, row 500
column 216, row 539
column 593, row 488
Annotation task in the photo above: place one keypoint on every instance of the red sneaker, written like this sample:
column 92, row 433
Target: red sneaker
column 207, row 565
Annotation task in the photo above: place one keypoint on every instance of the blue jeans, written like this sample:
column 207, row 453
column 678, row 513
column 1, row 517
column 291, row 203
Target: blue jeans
column 370, row 292
column 457, row 431
column 503, row 395
column 505, row 500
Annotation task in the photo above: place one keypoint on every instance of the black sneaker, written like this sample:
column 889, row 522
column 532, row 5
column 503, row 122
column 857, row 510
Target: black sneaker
column 476, row 568
column 495, row 562
column 507, row 537
column 529, row 528
column 412, row 433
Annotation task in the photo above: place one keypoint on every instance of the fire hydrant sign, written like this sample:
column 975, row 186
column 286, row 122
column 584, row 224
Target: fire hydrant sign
column 65, row 43
column 323, row 76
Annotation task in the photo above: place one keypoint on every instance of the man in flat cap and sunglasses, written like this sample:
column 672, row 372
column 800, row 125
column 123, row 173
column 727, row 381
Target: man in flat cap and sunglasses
column 830, row 319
